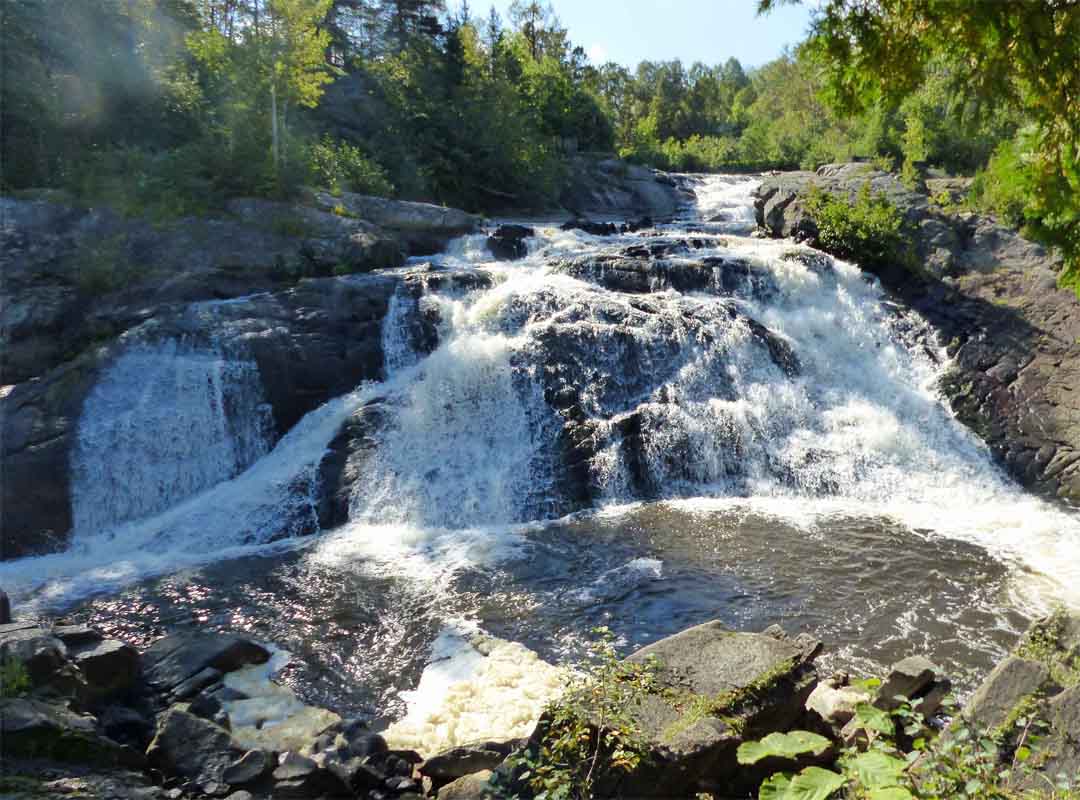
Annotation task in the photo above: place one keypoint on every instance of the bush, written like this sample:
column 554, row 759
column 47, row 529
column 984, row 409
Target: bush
column 869, row 231
column 589, row 735
column 339, row 166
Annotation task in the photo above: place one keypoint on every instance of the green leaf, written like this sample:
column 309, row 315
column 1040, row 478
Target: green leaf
column 874, row 719
column 890, row 793
column 783, row 745
column 1023, row 754
column 878, row 770
column 775, row 787
column 814, row 783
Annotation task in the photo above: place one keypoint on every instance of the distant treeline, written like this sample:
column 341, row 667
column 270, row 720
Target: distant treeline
column 169, row 106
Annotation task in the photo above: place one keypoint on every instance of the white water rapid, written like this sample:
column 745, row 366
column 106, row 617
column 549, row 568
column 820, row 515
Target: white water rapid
column 683, row 395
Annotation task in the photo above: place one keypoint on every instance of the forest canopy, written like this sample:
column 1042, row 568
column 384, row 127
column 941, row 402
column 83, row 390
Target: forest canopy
column 168, row 107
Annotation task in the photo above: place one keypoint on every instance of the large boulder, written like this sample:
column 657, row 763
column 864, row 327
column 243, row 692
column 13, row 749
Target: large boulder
column 613, row 188
column 176, row 658
column 34, row 729
column 423, row 228
column 715, row 689
column 191, row 747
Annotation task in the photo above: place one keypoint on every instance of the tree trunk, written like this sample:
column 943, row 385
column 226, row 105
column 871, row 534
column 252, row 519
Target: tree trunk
column 274, row 126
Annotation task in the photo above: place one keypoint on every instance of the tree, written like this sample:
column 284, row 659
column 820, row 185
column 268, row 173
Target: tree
column 277, row 52
column 1000, row 57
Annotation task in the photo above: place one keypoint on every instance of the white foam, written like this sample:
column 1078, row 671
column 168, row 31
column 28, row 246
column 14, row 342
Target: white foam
column 271, row 716
column 475, row 688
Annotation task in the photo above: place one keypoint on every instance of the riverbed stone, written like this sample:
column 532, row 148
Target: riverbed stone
column 191, row 747
column 34, row 647
column 476, row 786
column 457, row 762
column 110, row 666
column 249, row 768
column 5, row 608
column 835, row 703
column 507, row 242
column 909, row 678
column 31, row 728
column 171, row 661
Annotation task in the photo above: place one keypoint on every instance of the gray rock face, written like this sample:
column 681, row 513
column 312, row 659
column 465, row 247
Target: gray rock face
column 311, row 342
column 1011, row 681
column 613, row 188
column 171, row 661
column 720, row 688
column 110, row 666
column 992, row 296
column 422, row 227
column 34, row 647
column 191, row 747
column 34, row 729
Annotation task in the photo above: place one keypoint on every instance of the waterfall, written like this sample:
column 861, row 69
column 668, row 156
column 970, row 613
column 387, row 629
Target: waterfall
column 164, row 422
column 690, row 363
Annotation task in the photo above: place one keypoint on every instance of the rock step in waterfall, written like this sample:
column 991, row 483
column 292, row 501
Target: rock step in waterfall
column 685, row 360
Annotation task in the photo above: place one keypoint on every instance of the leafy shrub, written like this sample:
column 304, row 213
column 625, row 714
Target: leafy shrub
column 14, row 679
column 956, row 763
column 589, row 734
column 869, row 231
column 339, row 166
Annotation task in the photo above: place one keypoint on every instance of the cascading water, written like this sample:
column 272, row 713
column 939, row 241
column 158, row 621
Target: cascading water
column 749, row 429
column 165, row 422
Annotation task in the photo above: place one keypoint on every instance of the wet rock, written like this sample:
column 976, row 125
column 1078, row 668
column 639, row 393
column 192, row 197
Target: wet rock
column 171, row 661
column 251, row 767
column 240, row 795
column 191, row 747
column 591, row 227
column 507, row 243
column 196, row 683
column 110, row 666
column 5, row 608
column 309, row 343
column 299, row 776
column 423, row 228
column 993, row 297
column 34, row 729
column 469, row 787
column 460, row 761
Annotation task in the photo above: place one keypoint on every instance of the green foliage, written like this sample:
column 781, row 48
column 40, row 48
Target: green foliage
column 996, row 61
column 783, row 745
column 589, row 735
column 340, row 166
column 14, row 679
column 955, row 763
column 868, row 231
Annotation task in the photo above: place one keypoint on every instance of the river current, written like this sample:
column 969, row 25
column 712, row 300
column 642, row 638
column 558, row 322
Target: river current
column 834, row 494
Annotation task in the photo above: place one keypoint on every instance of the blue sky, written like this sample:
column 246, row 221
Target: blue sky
column 629, row 31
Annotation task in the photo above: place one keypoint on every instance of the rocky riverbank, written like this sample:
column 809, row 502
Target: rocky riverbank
column 1012, row 334
column 197, row 715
